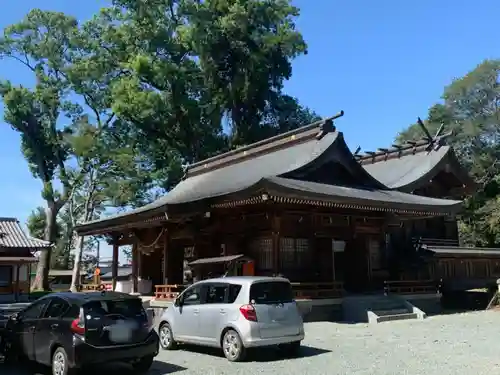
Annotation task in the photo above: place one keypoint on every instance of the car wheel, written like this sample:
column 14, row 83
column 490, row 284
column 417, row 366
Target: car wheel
column 60, row 364
column 167, row 341
column 143, row 365
column 233, row 347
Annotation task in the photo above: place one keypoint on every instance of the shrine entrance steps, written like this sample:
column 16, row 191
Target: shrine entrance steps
column 378, row 308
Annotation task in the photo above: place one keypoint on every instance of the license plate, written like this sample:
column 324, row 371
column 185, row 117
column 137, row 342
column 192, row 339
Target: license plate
column 120, row 332
column 278, row 314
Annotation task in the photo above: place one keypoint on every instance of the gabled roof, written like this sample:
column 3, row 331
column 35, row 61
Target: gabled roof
column 12, row 236
column 288, row 163
column 412, row 165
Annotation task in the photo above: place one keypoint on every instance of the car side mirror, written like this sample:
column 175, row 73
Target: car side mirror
column 16, row 317
column 178, row 302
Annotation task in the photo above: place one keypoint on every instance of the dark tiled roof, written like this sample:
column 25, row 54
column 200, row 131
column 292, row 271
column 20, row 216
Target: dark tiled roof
column 288, row 154
column 214, row 260
column 371, row 198
column 462, row 251
column 404, row 171
column 293, row 155
column 13, row 236
column 123, row 272
column 412, row 165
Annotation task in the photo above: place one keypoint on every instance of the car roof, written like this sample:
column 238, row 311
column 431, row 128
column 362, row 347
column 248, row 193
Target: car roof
column 81, row 298
column 243, row 280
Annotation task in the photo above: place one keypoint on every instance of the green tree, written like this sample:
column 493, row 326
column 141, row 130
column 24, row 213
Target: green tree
column 37, row 222
column 188, row 66
column 110, row 176
column 40, row 42
column 245, row 48
column 65, row 115
column 470, row 109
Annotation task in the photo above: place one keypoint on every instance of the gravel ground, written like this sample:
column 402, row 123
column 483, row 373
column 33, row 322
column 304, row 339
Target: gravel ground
column 442, row 345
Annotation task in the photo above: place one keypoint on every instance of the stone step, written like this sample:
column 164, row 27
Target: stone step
column 392, row 318
column 391, row 312
column 387, row 306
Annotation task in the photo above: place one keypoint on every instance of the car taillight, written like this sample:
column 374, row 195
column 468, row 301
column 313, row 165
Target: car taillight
column 78, row 327
column 249, row 313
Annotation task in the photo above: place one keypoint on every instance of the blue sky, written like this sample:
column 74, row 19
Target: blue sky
column 384, row 63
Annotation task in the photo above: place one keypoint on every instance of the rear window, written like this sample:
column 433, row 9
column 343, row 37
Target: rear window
column 271, row 292
column 234, row 290
column 128, row 308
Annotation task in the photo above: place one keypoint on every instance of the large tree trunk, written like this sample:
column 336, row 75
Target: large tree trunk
column 87, row 215
column 75, row 280
column 41, row 281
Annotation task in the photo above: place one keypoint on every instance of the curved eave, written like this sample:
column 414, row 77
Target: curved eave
column 229, row 179
column 284, row 190
column 414, row 171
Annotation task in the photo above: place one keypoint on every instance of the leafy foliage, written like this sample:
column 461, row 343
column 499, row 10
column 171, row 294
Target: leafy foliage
column 123, row 101
column 471, row 110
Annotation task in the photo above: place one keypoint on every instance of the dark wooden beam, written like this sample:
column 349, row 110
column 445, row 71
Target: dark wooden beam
column 135, row 264
column 114, row 265
column 428, row 135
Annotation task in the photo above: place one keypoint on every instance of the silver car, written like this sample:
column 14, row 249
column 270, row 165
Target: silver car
column 234, row 313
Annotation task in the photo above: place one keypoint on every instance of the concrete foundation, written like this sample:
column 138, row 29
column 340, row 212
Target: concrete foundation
column 352, row 308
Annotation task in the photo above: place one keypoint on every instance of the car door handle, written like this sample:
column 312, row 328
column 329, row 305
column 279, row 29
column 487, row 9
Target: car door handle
column 54, row 326
column 222, row 311
column 31, row 329
column 196, row 311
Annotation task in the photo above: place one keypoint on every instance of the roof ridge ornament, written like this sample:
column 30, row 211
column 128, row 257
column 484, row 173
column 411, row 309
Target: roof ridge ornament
column 327, row 126
column 438, row 140
column 428, row 143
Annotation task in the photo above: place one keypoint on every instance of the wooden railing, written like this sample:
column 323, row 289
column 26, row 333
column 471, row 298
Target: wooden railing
column 435, row 241
column 318, row 290
column 168, row 292
column 411, row 286
column 92, row 287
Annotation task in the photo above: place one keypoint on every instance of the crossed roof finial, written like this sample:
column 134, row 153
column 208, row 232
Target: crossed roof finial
column 438, row 138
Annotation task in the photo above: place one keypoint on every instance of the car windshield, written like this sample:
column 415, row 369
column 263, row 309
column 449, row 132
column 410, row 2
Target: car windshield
column 271, row 292
column 128, row 308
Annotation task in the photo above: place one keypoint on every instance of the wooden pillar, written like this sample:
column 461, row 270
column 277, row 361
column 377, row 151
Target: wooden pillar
column 140, row 261
column 333, row 260
column 276, row 226
column 135, row 264
column 18, row 268
column 114, row 264
column 165, row 256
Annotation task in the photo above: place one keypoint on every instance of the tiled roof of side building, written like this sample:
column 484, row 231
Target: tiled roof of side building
column 13, row 236
column 412, row 165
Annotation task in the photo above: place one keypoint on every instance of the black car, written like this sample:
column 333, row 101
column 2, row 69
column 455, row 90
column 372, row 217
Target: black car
column 74, row 330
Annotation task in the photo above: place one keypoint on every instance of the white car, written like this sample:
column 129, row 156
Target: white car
column 234, row 313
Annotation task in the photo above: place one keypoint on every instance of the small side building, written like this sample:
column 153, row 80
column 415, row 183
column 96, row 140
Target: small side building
column 431, row 248
column 16, row 259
